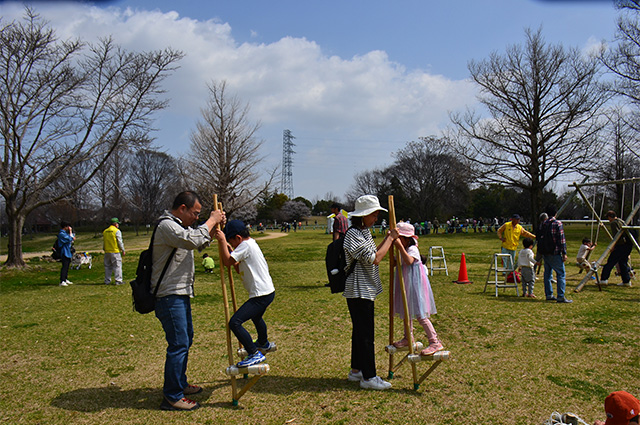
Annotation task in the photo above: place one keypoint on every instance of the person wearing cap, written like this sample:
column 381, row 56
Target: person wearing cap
column 510, row 233
column 173, row 299
column 113, row 251
column 362, row 287
column 621, row 408
column 249, row 261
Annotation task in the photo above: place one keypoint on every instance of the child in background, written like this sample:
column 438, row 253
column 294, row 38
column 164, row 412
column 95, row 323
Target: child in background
column 418, row 289
column 583, row 254
column 208, row 263
column 621, row 409
column 526, row 265
column 252, row 266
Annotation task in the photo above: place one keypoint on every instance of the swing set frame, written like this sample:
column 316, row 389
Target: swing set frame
column 614, row 238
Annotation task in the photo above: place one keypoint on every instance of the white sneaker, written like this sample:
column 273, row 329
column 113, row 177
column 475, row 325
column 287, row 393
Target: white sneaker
column 355, row 377
column 626, row 284
column 64, row 284
column 68, row 282
column 604, row 282
column 375, row 383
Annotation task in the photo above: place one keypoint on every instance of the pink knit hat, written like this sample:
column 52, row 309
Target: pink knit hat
column 406, row 229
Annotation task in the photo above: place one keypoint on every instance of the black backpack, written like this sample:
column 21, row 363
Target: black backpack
column 56, row 250
column 336, row 263
column 144, row 301
column 546, row 244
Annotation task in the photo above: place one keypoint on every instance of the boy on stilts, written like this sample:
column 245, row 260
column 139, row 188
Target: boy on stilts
column 249, row 261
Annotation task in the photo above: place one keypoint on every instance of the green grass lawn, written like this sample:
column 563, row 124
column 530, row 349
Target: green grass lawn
column 80, row 355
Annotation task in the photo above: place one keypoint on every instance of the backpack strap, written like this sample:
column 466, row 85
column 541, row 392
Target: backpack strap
column 166, row 265
column 352, row 266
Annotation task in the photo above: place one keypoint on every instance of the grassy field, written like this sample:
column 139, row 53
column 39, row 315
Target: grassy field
column 80, row 355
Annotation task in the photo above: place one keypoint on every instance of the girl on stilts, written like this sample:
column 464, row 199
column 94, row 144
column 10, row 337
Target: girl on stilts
column 417, row 287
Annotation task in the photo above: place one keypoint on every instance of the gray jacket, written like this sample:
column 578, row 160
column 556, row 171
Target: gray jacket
column 179, row 278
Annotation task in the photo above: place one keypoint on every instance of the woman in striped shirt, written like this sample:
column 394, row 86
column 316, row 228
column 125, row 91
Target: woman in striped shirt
column 362, row 287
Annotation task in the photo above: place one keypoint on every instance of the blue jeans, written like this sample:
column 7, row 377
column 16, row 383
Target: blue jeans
column 253, row 309
column 174, row 312
column 512, row 253
column 554, row 263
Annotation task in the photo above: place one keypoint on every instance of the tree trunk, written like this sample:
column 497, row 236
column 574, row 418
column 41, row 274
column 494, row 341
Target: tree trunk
column 14, row 250
column 536, row 206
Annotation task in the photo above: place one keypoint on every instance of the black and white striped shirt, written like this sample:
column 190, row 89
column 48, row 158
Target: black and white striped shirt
column 364, row 282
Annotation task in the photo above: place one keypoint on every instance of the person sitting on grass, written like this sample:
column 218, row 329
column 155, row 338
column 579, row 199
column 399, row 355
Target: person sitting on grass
column 248, row 260
column 208, row 263
column 526, row 264
column 621, row 408
column 420, row 300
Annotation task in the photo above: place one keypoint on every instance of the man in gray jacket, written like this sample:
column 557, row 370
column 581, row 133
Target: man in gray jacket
column 173, row 303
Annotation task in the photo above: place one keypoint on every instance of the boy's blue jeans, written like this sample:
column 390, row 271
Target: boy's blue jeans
column 253, row 309
column 174, row 312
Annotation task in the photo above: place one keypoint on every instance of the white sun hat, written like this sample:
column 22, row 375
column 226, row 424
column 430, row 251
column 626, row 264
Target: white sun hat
column 365, row 205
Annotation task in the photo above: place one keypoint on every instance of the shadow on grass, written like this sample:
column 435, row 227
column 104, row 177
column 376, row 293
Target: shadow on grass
column 287, row 385
column 102, row 398
column 580, row 389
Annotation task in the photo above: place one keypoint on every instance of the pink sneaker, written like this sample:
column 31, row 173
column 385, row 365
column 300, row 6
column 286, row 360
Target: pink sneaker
column 432, row 349
column 401, row 343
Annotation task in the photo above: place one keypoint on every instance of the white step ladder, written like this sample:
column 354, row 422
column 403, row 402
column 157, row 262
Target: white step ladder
column 501, row 266
column 437, row 253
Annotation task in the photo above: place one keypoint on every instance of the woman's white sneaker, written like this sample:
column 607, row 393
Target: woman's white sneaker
column 375, row 383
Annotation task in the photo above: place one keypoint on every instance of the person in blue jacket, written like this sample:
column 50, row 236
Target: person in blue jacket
column 65, row 239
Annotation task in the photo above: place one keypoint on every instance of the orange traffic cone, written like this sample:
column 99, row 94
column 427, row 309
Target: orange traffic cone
column 462, row 274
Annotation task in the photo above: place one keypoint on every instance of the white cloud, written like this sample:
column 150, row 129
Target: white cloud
column 289, row 83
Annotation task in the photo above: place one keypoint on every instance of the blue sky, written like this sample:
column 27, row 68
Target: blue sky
column 353, row 80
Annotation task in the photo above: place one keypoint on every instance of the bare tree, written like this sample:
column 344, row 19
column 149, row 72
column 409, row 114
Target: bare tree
column 434, row 181
column 224, row 157
column 623, row 59
column 544, row 102
column 63, row 103
column 151, row 183
column 621, row 150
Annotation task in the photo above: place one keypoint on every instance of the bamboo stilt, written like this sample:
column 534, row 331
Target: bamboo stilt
column 260, row 369
column 407, row 318
column 227, row 317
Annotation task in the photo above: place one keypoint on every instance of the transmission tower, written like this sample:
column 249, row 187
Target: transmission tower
column 287, row 163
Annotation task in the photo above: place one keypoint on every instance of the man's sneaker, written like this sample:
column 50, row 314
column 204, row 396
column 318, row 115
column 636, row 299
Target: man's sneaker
column 627, row 284
column 192, row 389
column 564, row 301
column 255, row 358
column 265, row 348
column 68, row 282
column 552, row 298
column 182, row 404
column 375, row 383
column 354, row 377
column 604, row 282
column 64, row 284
